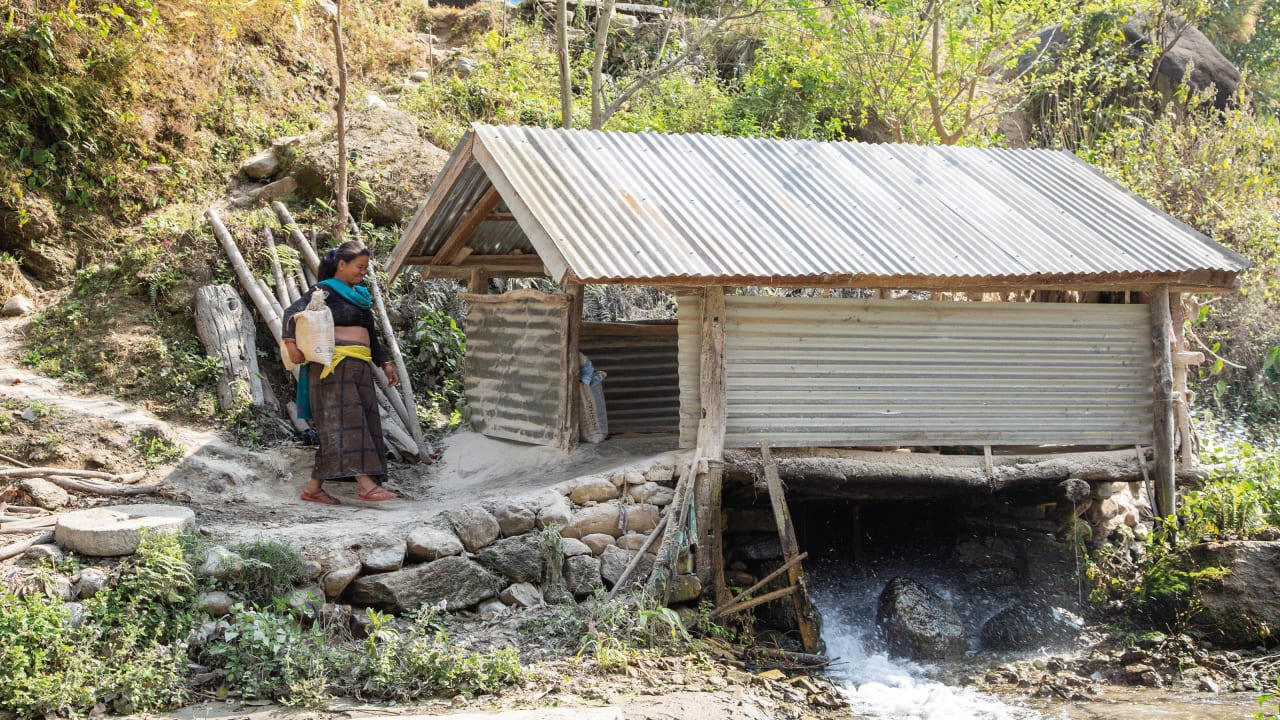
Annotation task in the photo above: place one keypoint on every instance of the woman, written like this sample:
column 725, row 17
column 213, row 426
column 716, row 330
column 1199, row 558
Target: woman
column 342, row 401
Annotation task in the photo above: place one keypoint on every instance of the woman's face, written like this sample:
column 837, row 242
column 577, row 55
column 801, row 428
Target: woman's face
column 353, row 272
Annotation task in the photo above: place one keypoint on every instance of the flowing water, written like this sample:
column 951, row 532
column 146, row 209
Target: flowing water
column 879, row 686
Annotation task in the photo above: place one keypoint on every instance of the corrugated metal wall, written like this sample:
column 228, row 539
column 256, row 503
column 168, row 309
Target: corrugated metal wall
column 820, row 372
column 513, row 364
column 641, row 390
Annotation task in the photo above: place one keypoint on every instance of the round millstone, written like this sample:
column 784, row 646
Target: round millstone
column 107, row 531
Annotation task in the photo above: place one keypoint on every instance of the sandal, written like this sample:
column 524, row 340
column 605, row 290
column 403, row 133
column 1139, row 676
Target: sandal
column 320, row 496
column 377, row 493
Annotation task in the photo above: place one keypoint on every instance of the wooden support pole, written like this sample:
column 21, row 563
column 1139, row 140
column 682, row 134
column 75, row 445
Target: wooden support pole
column 310, row 260
column 1182, row 360
column 571, row 328
column 241, row 268
column 711, row 432
column 285, row 291
column 1162, row 407
column 478, row 282
column 467, row 227
column 634, row 562
column 747, row 605
column 397, row 358
column 669, row 551
column 809, row 634
column 786, row 567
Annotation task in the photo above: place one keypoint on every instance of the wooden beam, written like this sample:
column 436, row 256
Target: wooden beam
column 711, row 431
column 531, row 263
column 567, row 432
column 1162, row 407
column 444, row 182
column 461, row 234
column 808, row 625
column 478, row 282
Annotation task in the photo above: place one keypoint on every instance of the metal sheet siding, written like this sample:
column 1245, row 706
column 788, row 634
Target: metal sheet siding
column 635, row 206
column 513, row 367
column 689, row 325
column 818, row 372
column 641, row 390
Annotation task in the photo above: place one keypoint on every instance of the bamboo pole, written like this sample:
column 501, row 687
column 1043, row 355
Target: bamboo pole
column 285, row 292
column 310, row 260
column 397, row 358
column 271, row 299
column 634, row 563
column 243, row 274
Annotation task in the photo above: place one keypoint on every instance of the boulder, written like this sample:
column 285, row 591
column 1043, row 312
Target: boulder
column 432, row 542
column 597, row 542
column 117, row 529
column 632, row 541
column 215, row 602
column 474, row 525
column 17, row 306
column 597, row 519
column 492, row 607
column 33, row 232
column 42, row 554
column 384, row 558
column 219, row 563
column 522, row 595
column 336, row 580
column 652, row 493
column 515, row 518
column 639, row 517
column 661, row 474
column 89, row 582
column 573, row 546
column 916, row 623
column 582, row 575
column 44, row 493
column 385, row 151
column 261, row 166
column 554, row 509
column 614, row 560
column 1242, row 605
column 1023, row 627
column 453, row 582
column 592, row 489
column 685, row 588
column 519, row 559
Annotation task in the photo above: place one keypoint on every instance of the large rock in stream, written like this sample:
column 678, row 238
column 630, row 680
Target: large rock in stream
column 1243, row 605
column 917, row 623
column 1024, row 627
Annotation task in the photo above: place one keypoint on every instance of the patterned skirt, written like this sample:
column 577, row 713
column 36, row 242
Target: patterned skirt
column 345, row 412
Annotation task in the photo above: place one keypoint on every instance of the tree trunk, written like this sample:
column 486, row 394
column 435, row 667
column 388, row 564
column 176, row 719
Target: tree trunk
column 341, row 107
column 604, row 17
column 227, row 331
column 870, row 475
column 562, row 52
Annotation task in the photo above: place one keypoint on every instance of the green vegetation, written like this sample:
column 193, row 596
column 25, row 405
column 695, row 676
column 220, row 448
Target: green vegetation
column 130, row 649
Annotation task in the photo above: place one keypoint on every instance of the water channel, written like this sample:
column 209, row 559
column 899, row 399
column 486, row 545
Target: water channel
column 879, row 686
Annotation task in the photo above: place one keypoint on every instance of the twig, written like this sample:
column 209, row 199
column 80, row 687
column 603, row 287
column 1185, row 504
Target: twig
column 43, row 471
column 12, row 461
column 634, row 563
column 1215, row 355
column 18, row 548
column 101, row 488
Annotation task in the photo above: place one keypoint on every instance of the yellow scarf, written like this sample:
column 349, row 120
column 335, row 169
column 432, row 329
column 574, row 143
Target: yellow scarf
column 357, row 352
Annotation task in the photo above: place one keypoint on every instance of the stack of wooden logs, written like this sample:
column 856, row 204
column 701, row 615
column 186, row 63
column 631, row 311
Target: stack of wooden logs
column 219, row 322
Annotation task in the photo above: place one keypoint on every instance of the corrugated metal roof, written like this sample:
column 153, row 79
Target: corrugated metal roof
column 631, row 207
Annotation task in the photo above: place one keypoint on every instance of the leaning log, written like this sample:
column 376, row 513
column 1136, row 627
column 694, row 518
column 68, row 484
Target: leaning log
column 227, row 331
column 18, row 548
column 873, row 475
column 244, row 274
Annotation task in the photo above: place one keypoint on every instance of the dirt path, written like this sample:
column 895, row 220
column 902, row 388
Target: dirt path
column 239, row 494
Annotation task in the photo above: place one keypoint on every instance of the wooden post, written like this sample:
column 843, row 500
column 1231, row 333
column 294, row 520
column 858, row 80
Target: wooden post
column 226, row 329
column 478, row 283
column 808, row 627
column 1182, row 359
column 711, row 432
column 1162, row 407
column 571, row 327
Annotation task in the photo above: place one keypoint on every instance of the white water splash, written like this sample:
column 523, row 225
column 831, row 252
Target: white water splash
column 878, row 686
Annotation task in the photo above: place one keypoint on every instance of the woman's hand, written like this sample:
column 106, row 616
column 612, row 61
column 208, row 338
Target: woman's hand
column 392, row 378
column 295, row 355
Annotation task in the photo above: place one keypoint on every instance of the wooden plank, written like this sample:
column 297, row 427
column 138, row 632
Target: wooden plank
column 809, row 638
column 711, row 432
column 444, row 182
column 761, row 582
column 1162, row 406
column 466, row 227
column 567, row 431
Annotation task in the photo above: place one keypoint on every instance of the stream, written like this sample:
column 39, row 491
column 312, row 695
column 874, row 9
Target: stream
column 880, row 686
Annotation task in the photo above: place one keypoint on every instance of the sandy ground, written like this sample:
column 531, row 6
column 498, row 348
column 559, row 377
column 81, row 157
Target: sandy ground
column 239, row 494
